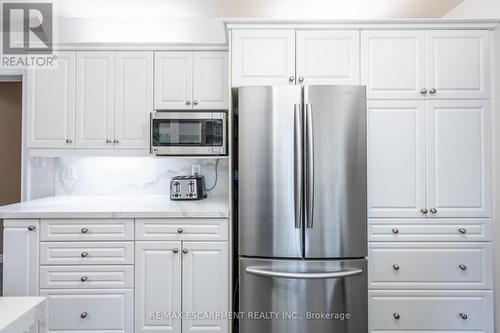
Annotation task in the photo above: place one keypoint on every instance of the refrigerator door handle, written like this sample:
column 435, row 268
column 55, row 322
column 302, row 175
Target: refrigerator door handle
column 298, row 158
column 263, row 271
column 309, row 167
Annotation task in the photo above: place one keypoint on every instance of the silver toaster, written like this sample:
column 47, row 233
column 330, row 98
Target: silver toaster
column 187, row 188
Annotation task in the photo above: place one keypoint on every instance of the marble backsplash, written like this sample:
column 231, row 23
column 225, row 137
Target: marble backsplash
column 131, row 175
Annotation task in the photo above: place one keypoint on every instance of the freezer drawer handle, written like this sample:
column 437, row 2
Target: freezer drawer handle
column 287, row 275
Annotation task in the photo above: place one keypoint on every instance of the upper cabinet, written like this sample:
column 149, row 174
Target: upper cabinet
column 190, row 80
column 286, row 56
column 51, row 104
column 441, row 64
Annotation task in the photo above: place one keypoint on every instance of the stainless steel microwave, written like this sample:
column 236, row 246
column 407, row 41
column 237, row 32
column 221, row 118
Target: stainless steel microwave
column 188, row 133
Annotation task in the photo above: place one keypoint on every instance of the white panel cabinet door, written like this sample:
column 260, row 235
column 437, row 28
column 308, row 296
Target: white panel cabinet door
column 458, row 64
column 95, row 99
column 263, row 57
column 133, row 99
column 21, row 258
column 205, row 288
column 51, row 104
column 458, row 159
column 157, row 287
column 210, row 77
column 396, row 158
column 173, row 80
column 393, row 64
column 328, row 57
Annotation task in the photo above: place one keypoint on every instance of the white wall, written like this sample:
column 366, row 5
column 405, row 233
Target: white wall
column 476, row 9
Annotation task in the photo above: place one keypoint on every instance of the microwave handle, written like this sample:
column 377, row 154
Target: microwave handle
column 151, row 132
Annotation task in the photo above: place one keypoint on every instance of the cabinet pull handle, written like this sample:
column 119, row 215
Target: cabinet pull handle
column 108, row 141
column 424, row 211
column 462, row 230
column 462, row 267
column 31, row 227
column 291, row 78
column 176, row 250
column 188, row 102
column 84, row 254
column 396, row 315
column 395, row 231
column 301, row 79
column 463, row 315
column 180, row 230
column 432, row 91
column 423, row 91
column 83, row 315
column 84, row 230
column 185, row 251
column 116, row 141
column 396, row 267
column 84, row 278
column 433, row 210
column 69, row 141
column 195, row 102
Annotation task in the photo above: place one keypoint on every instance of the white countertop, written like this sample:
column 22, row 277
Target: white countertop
column 19, row 314
column 116, row 207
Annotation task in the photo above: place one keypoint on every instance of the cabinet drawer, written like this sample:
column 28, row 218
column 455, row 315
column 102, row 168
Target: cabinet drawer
column 430, row 265
column 89, row 310
column 86, row 277
column 181, row 229
column 87, row 229
column 389, row 230
column 86, row 253
column 430, row 311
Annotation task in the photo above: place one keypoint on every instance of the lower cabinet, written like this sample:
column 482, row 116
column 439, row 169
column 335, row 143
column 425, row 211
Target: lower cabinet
column 181, row 285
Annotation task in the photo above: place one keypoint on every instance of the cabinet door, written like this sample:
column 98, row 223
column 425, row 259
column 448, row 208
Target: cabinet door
column 210, row 88
column 157, row 287
column 328, row 57
column 393, row 64
column 396, row 158
column 458, row 64
column 205, row 277
column 133, row 99
column 95, row 99
column 263, row 57
column 458, row 159
column 51, row 104
column 20, row 259
column 173, row 80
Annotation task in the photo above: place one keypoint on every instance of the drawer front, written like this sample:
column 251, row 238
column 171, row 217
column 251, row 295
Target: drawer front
column 86, row 253
column 87, row 229
column 86, row 277
column 89, row 310
column 429, row 311
column 397, row 230
column 181, row 229
column 430, row 265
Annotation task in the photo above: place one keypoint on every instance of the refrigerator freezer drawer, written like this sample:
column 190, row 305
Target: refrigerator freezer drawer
column 303, row 296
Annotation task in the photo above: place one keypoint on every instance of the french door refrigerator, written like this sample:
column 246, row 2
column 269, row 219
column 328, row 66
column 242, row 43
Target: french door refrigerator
column 302, row 211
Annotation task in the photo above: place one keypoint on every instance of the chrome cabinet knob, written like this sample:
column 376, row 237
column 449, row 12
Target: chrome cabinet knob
column 395, row 231
column 462, row 267
column 188, row 102
column 291, row 78
column 185, row 251
column 84, row 254
column 301, row 79
column 180, row 230
column 176, row 250
column 31, row 227
column 69, row 141
column 195, row 102
column 83, row 315
column 84, row 278
column 424, row 211
column 396, row 267
column 116, row 141
column 108, row 141
column 433, row 210
column 463, row 315
column 462, row 230
column 396, row 315
column 84, row 230
column 423, row 91
column 432, row 91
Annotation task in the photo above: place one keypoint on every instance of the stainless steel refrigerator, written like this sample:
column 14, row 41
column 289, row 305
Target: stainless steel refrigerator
column 302, row 211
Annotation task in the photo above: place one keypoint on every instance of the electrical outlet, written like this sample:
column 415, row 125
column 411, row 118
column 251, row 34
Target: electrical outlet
column 195, row 169
column 70, row 173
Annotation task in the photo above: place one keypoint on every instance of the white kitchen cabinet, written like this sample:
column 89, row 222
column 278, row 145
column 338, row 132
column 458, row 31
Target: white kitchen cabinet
column 458, row 159
column 396, row 158
column 205, row 285
column 210, row 90
column 21, row 257
column 328, row 57
column 51, row 104
column 458, row 64
column 158, row 286
column 173, row 80
column 95, row 99
column 393, row 63
column 263, row 57
column 133, row 99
